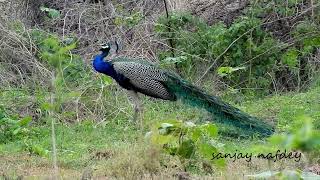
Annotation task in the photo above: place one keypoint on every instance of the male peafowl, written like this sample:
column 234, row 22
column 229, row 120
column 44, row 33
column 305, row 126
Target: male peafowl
column 143, row 77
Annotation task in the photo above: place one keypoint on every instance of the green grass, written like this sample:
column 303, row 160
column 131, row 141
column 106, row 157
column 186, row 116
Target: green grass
column 284, row 109
column 116, row 144
column 76, row 142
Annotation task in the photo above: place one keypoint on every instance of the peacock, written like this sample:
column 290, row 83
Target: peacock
column 139, row 76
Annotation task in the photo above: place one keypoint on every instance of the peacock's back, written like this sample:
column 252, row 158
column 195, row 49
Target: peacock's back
column 144, row 78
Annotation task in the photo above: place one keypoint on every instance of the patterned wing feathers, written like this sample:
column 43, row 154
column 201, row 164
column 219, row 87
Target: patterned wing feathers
column 146, row 78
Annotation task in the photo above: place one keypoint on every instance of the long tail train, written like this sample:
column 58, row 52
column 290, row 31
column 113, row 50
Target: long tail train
column 235, row 122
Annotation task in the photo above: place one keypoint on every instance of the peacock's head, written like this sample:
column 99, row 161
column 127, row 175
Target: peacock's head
column 105, row 47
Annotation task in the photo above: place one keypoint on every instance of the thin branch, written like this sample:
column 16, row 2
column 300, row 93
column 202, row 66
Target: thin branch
column 217, row 58
column 169, row 28
column 53, row 135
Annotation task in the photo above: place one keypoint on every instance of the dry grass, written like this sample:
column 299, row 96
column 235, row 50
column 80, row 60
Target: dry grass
column 18, row 64
column 134, row 162
column 31, row 167
column 94, row 23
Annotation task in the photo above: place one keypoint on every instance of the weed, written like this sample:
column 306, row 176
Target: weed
column 191, row 143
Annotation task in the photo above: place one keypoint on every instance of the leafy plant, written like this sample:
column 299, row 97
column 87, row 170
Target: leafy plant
column 290, row 58
column 224, row 71
column 246, row 43
column 13, row 129
column 282, row 8
column 128, row 19
column 54, row 52
column 243, row 48
column 302, row 138
column 187, row 141
column 35, row 149
column 52, row 13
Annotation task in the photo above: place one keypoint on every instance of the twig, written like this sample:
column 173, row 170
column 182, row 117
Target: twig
column 217, row 58
column 312, row 8
column 53, row 135
column 169, row 28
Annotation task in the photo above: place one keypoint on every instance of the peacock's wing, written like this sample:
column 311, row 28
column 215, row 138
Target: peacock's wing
column 145, row 78
column 136, row 60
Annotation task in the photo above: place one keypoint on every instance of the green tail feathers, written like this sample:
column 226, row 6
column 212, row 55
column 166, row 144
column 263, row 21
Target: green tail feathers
column 235, row 122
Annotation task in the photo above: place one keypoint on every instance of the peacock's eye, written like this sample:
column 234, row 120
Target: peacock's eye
column 104, row 46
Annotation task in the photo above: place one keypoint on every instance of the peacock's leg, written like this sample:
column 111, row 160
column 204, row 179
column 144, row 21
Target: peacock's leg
column 134, row 98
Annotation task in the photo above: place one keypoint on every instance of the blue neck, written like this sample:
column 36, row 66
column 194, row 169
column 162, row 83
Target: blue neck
column 103, row 67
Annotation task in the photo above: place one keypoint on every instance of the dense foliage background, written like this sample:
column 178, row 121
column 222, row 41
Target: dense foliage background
column 261, row 56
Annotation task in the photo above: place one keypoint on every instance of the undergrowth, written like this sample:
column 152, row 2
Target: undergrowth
column 44, row 78
column 246, row 55
column 107, row 144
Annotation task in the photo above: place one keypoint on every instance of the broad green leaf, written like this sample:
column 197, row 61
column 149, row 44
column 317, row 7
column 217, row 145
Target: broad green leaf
column 64, row 51
column 160, row 139
column 1, row 115
column 8, row 121
column 306, row 131
column 290, row 58
column 166, row 125
column 69, row 41
column 38, row 150
column 174, row 60
column 211, row 130
column 118, row 21
column 52, row 13
column 47, row 106
column 224, row 71
column 189, row 124
column 16, row 131
column 106, row 80
column 196, row 134
column 216, row 143
column 24, row 121
column 70, row 47
column 165, row 128
column 278, row 139
column 207, row 150
column 186, row 149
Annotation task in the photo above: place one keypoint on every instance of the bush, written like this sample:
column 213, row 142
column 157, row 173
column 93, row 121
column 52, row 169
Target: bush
column 191, row 143
column 245, row 55
column 13, row 129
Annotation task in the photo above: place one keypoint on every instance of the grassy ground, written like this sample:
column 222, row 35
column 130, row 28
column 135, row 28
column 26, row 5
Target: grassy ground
column 115, row 148
column 94, row 131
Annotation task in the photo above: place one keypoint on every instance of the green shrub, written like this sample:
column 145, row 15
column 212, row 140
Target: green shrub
column 13, row 129
column 303, row 138
column 191, row 143
column 243, row 46
column 245, row 55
